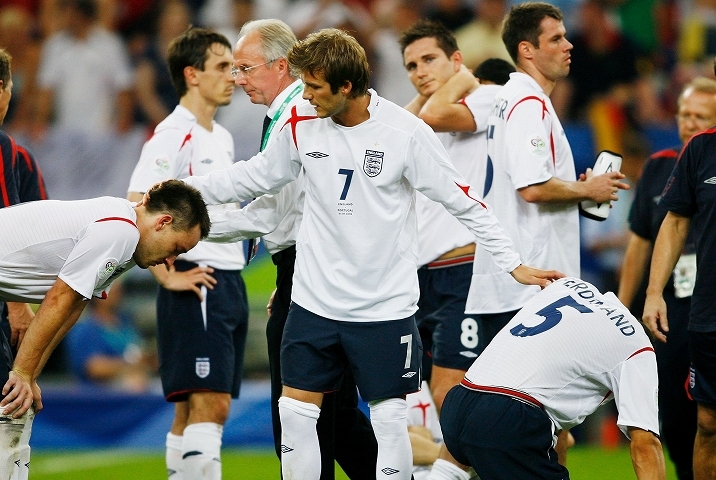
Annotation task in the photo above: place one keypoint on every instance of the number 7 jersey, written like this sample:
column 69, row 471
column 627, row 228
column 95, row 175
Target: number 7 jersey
column 356, row 246
column 571, row 349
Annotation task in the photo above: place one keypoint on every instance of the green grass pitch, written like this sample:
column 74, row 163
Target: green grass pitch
column 585, row 463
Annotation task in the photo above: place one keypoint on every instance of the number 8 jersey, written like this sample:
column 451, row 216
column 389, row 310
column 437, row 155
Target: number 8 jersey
column 571, row 349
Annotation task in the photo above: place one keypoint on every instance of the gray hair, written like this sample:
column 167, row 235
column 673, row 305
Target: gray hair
column 277, row 38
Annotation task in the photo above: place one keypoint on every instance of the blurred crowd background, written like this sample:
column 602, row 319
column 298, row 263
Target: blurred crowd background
column 90, row 84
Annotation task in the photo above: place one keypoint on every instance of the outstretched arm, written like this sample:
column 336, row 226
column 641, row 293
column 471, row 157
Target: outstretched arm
column 57, row 314
column 599, row 188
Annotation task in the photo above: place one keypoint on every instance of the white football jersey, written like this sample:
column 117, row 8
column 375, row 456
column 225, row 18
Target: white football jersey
column 356, row 247
column 86, row 243
column 526, row 145
column 571, row 349
column 180, row 147
column 438, row 231
column 275, row 217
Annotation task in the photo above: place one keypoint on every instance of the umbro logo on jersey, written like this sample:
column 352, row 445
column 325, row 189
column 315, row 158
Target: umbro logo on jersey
column 207, row 161
column 317, row 154
column 409, row 375
column 389, row 471
column 711, row 181
column 285, row 449
column 468, row 354
column 656, row 199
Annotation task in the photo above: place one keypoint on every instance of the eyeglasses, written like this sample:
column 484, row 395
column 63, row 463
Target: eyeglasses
column 683, row 117
column 246, row 72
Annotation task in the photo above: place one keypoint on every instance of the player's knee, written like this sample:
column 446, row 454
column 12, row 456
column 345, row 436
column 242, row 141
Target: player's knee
column 209, row 407
column 706, row 422
column 389, row 416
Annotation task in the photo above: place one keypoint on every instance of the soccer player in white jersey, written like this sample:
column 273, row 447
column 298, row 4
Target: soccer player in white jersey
column 344, row 432
column 355, row 284
column 202, row 310
column 530, row 175
column 578, row 349
column 451, row 100
column 60, row 255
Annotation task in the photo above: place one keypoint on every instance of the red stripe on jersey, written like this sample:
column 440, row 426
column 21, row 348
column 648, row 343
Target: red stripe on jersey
column 465, row 189
column 449, row 262
column 109, row 219
column 544, row 105
column 686, row 387
column 4, row 175
column 293, row 121
column 462, row 101
column 186, row 139
column 645, row 349
column 3, row 186
column 502, row 391
column 668, row 153
column 40, row 182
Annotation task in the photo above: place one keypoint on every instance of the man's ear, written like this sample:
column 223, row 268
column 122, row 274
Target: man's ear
column 2, row 85
column 162, row 221
column 190, row 76
column 346, row 88
column 456, row 59
column 525, row 49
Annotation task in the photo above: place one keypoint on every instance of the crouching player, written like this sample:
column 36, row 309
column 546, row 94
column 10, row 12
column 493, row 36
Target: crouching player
column 569, row 350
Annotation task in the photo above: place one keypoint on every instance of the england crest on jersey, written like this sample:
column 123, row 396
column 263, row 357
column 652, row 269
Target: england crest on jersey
column 373, row 162
column 203, row 367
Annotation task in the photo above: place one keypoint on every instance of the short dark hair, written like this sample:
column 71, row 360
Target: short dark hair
column 336, row 55
column 495, row 70
column 190, row 49
column 429, row 29
column 5, row 70
column 523, row 22
column 86, row 8
column 183, row 202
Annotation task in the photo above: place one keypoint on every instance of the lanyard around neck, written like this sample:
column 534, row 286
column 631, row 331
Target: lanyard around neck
column 278, row 113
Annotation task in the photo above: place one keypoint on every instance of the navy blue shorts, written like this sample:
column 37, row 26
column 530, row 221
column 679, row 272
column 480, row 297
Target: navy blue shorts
column 441, row 309
column 702, row 376
column 489, row 325
column 500, row 437
column 384, row 357
column 197, row 353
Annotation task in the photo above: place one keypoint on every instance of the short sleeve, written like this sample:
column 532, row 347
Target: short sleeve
column 160, row 160
column 679, row 195
column 104, row 249
column 638, row 392
column 480, row 103
column 529, row 152
column 640, row 213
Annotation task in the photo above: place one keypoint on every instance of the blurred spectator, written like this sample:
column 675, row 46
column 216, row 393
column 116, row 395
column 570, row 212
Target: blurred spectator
column 697, row 38
column 156, row 96
column 392, row 17
column 222, row 14
column 16, row 37
column 604, row 86
column 84, row 76
column 482, row 37
column 104, row 348
column 241, row 117
column 451, row 13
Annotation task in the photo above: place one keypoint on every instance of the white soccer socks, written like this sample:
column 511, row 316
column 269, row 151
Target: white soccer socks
column 444, row 470
column 15, row 445
column 175, row 467
column 201, row 451
column 300, row 453
column 390, row 424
